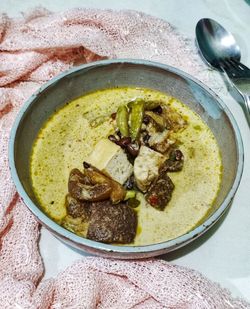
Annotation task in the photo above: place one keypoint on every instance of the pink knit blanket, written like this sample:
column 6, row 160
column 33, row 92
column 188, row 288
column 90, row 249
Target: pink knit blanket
column 33, row 49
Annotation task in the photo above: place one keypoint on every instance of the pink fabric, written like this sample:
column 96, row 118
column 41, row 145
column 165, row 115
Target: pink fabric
column 33, row 49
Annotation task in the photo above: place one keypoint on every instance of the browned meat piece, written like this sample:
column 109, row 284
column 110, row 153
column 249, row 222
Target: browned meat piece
column 112, row 223
column 117, row 193
column 77, row 176
column 175, row 120
column 160, row 192
column 155, row 133
column 157, row 110
column 77, row 209
column 82, row 188
column 75, row 225
column 160, row 123
column 161, row 141
column 174, row 163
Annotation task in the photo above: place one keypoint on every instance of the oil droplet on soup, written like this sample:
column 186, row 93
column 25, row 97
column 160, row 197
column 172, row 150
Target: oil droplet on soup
column 67, row 139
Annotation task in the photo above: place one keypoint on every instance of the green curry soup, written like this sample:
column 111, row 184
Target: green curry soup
column 69, row 137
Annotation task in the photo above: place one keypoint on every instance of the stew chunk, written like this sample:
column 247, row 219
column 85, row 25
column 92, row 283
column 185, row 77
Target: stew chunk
column 160, row 192
column 77, row 209
column 112, row 223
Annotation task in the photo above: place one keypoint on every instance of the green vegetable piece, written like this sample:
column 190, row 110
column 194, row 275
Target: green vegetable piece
column 129, row 194
column 136, row 118
column 122, row 120
column 133, row 203
column 151, row 104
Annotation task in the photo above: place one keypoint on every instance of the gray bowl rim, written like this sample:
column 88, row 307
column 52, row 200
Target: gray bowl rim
column 173, row 243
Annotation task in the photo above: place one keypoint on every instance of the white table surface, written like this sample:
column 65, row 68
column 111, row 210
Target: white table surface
column 223, row 254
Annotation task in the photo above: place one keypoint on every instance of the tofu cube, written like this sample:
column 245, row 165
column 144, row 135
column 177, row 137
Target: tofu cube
column 111, row 159
column 146, row 167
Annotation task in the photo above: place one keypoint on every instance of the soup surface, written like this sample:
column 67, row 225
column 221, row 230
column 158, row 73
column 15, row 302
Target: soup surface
column 70, row 135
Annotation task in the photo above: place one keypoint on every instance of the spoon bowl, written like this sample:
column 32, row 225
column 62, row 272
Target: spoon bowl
column 215, row 43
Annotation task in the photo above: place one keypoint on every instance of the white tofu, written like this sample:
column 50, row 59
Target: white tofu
column 111, row 159
column 146, row 167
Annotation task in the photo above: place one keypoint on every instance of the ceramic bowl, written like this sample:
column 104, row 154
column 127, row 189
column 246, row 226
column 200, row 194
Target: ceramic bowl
column 123, row 72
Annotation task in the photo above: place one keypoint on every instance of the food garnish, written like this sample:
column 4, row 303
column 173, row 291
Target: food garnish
column 122, row 120
column 136, row 118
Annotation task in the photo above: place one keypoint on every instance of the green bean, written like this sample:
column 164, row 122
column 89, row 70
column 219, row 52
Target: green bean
column 122, row 120
column 136, row 118
column 148, row 104
column 131, row 103
column 151, row 104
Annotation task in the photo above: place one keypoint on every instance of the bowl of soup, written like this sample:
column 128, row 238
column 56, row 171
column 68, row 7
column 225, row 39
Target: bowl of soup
column 126, row 158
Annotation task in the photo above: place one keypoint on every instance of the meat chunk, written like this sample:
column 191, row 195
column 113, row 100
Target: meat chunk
column 160, row 192
column 117, row 193
column 175, row 120
column 77, row 209
column 78, row 215
column 82, row 188
column 160, row 123
column 174, row 163
column 76, row 225
column 112, row 223
column 160, row 141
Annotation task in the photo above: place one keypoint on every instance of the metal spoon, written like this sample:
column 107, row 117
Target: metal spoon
column 217, row 45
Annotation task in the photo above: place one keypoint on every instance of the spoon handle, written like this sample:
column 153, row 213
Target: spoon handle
column 246, row 109
column 243, row 93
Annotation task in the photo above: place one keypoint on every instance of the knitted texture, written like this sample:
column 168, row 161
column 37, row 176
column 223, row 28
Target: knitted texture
column 33, row 49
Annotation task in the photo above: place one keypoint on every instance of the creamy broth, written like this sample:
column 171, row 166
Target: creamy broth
column 68, row 138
